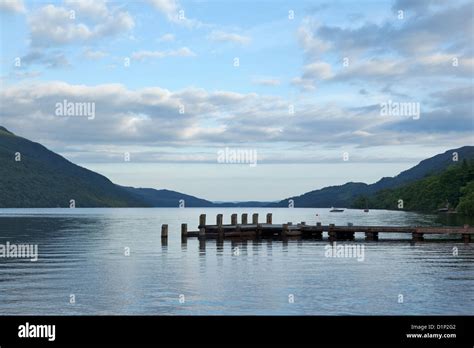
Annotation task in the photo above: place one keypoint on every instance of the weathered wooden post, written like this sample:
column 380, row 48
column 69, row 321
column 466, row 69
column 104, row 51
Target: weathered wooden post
column 349, row 234
column 202, row 220
column 417, row 236
column 238, row 230
column 244, row 219
column 466, row 237
column 164, row 231
column 258, row 230
column 269, row 218
column 219, row 244
column 233, row 219
column 303, row 223
column 220, row 230
column 319, row 231
column 255, row 219
column 284, row 230
column 202, row 225
column 331, row 233
column 371, row 235
column 202, row 245
column 219, row 220
column 184, row 232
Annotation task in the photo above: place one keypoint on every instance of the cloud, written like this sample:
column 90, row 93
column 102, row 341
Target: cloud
column 55, row 26
column 12, row 6
column 26, row 74
column 167, row 38
column 50, row 59
column 312, row 45
column 312, row 74
column 407, row 69
column 94, row 55
column 168, row 7
column 96, row 9
column 426, row 33
column 433, row 45
column 317, row 71
column 266, row 81
column 174, row 12
column 454, row 96
column 303, row 84
column 222, row 36
column 362, row 133
column 417, row 7
column 181, row 52
column 151, row 117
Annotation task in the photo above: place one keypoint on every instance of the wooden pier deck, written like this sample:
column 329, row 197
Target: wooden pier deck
column 255, row 229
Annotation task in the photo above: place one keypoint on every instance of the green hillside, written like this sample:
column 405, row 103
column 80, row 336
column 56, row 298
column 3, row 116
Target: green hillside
column 42, row 178
column 345, row 195
column 453, row 188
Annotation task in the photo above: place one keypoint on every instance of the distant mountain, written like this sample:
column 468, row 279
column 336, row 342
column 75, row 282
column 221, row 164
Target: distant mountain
column 331, row 196
column 344, row 195
column 33, row 176
column 167, row 198
column 245, row 204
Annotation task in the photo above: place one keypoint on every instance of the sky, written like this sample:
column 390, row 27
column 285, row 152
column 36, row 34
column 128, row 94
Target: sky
column 242, row 100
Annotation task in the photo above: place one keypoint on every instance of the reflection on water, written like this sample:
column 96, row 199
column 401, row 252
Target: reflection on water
column 454, row 220
column 82, row 252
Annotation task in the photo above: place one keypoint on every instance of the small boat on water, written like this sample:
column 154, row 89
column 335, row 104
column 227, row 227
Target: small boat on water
column 335, row 210
column 447, row 209
column 366, row 210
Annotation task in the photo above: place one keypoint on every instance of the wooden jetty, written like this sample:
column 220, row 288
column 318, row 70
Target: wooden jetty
column 267, row 229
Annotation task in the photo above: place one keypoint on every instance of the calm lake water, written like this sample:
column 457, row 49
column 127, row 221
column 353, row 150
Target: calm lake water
column 82, row 252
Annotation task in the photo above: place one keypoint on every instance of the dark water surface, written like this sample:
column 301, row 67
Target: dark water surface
column 82, row 252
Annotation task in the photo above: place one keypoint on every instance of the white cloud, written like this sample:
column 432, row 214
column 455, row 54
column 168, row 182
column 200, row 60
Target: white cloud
column 222, row 36
column 51, row 25
column 423, row 46
column 50, row 58
column 94, row 55
column 312, row 45
column 317, row 71
column 312, row 74
column 12, row 6
column 362, row 133
column 167, row 7
column 181, row 52
column 151, row 117
column 304, row 84
column 266, row 81
column 167, row 38
column 88, row 8
column 174, row 12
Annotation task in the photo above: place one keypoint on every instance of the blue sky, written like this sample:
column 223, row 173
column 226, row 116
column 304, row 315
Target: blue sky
column 182, row 99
